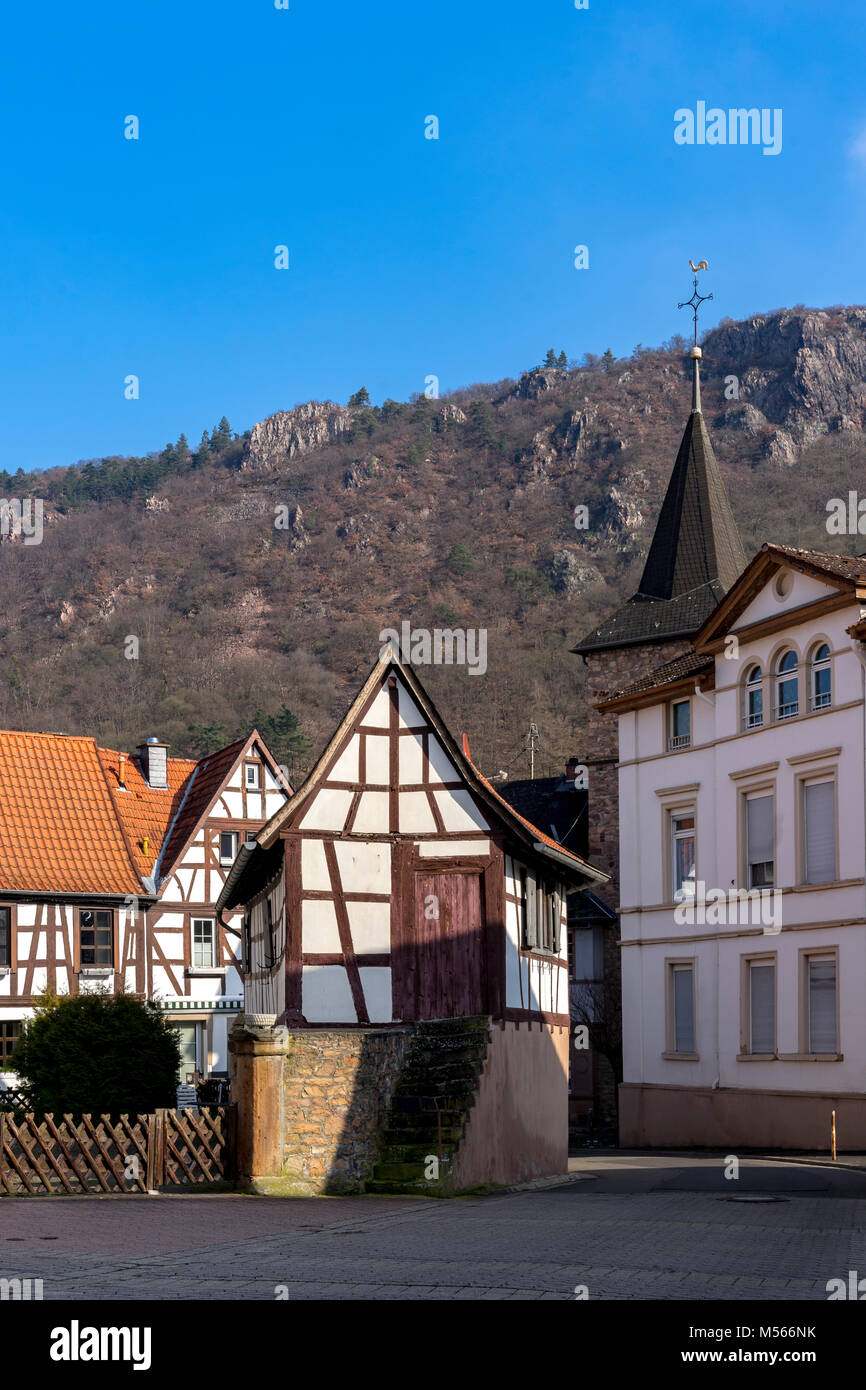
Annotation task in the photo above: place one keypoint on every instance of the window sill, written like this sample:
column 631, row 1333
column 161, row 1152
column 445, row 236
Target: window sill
column 205, row 970
column 5, row 970
column 811, row 1056
column 97, row 972
column 680, row 1057
column 757, row 1057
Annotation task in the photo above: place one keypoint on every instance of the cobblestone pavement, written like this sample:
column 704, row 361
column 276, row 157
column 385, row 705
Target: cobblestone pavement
column 630, row 1227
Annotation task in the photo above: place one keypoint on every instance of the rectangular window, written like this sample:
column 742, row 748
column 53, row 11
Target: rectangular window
column 228, row 846
column 759, row 840
column 5, row 936
column 821, row 1003
column 762, row 1006
column 683, row 855
column 680, row 734
column 587, row 953
column 819, row 832
column 684, row 1008
column 96, row 937
column 203, row 942
column 252, row 775
column 10, row 1032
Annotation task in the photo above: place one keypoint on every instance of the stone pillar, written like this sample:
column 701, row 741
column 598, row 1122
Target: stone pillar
column 259, row 1058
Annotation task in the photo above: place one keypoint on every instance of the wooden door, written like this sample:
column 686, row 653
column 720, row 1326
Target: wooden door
column 448, row 928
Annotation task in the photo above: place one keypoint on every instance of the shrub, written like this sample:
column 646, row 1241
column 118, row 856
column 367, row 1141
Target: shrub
column 103, row 1054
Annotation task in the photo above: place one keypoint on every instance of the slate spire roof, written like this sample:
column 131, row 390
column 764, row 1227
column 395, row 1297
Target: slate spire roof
column 695, row 556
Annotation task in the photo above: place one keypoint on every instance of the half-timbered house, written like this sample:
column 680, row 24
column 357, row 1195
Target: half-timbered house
column 110, row 866
column 396, row 888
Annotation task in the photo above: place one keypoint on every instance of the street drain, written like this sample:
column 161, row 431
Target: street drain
column 754, row 1197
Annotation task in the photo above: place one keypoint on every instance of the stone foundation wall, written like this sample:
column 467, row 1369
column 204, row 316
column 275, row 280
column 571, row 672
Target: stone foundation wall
column 336, row 1089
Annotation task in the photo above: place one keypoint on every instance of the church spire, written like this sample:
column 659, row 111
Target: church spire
column 696, row 552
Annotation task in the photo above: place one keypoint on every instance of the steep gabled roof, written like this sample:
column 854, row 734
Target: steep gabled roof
column 520, row 828
column 68, row 826
column 145, row 812
column 59, row 828
column 695, row 555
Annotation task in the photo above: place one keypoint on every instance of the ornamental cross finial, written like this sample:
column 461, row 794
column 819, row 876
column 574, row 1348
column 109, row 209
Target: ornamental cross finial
column 697, row 299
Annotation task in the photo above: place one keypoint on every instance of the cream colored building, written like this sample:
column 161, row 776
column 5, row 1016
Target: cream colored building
column 742, row 785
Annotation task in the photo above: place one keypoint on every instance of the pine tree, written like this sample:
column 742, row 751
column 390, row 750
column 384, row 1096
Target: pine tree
column 550, row 359
column 360, row 398
column 562, row 360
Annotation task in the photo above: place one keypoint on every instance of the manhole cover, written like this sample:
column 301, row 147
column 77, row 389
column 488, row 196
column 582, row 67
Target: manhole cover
column 754, row 1197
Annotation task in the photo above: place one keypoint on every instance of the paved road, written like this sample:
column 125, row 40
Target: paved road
column 632, row 1227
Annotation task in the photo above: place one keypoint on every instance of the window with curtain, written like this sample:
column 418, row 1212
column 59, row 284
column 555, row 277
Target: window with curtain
column 819, row 831
column 683, row 856
column 684, row 1008
column 762, row 1006
column 821, row 1003
column 759, row 840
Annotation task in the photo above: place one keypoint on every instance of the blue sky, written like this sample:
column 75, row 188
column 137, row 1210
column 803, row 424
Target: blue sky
column 408, row 256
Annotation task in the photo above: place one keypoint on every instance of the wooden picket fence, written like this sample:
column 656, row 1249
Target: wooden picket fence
column 97, row 1154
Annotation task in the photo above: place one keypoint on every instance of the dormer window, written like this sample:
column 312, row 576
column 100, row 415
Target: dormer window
column 819, row 677
column 787, row 695
column 753, row 715
column 680, row 725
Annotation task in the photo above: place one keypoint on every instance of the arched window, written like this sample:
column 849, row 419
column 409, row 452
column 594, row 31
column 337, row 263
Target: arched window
column 754, row 703
column 787, row 697
column 820, row 681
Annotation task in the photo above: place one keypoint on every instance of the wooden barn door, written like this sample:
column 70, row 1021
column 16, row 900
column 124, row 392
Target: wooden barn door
column 448, row 927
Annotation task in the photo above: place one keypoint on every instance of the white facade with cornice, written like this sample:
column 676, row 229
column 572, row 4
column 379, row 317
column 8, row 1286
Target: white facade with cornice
column 743, row 1019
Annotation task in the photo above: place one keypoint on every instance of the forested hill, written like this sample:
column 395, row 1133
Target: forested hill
column 255, row 572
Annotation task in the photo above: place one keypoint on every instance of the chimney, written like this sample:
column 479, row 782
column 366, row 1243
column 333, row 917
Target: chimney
column 154, row 762
column 121, row 770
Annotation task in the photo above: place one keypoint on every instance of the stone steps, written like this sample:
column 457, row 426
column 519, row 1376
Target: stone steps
column 435, row 1091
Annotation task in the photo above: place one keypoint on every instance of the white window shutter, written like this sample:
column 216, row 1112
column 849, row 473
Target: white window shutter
column 819, row 807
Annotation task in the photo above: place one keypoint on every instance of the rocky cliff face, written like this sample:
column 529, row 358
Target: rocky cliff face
column 291, row 432
column 800, row 373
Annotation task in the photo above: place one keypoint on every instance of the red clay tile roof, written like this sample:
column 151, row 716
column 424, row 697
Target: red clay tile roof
column 59, row 831
column 66, row 826
column 146, row 812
